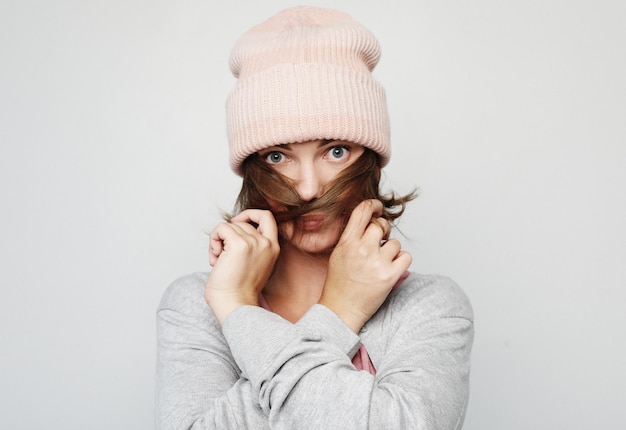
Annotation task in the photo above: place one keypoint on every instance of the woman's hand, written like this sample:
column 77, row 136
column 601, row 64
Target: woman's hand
column 243, row 258
column 363, row 267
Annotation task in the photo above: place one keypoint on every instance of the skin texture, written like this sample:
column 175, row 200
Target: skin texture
column 361, row 271
column 351, row 271
column 312, row 165
column 242, row 257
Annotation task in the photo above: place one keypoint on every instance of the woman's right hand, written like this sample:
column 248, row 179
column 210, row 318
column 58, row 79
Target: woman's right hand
column 363, row 267
column 243, row 257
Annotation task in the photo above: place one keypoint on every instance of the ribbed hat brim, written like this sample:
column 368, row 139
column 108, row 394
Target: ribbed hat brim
column 291, row 103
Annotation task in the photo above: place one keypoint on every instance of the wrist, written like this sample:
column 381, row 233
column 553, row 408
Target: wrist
column 223, row 304
column 353, row 319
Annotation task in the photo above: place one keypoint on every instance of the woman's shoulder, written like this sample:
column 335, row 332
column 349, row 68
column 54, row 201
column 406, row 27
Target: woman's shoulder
column 186, row 296
column 430, row 297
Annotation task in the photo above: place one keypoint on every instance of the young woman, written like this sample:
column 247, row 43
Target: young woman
column 309, row 318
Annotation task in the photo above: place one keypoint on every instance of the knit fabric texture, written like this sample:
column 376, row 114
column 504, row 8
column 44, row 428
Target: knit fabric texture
column 306, row 74
column 259, row 371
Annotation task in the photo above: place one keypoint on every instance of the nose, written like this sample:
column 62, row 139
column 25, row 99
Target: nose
column 309, row 184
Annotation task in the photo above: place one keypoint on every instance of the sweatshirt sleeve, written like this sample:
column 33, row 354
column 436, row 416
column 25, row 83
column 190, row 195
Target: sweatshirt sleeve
column 197, row 383
column 304, row 378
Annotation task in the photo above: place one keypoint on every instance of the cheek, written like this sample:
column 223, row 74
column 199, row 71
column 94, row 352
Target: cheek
column 336, row 228
column 329, row 173
column 285, row 230
column 276, row 208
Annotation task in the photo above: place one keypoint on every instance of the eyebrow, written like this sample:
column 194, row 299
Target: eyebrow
column 288, row 146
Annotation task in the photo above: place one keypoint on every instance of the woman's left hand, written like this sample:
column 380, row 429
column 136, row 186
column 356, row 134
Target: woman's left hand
column 243, row 257
column 363, row 267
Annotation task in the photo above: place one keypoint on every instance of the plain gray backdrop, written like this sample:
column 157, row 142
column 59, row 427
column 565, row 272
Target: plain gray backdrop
column 509, row 115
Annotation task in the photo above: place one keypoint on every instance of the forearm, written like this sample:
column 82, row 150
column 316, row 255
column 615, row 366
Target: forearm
column 297, row 370
column 259, row 371
column 198, row 386
column 305, row 378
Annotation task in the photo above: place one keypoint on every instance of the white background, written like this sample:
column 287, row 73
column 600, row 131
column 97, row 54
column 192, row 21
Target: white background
column 509, row 115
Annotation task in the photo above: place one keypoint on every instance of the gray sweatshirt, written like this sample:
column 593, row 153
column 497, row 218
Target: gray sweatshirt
column 259, row 371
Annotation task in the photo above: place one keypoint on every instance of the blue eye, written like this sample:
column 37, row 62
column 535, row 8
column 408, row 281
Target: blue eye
column 338, row 152
column 274, row 157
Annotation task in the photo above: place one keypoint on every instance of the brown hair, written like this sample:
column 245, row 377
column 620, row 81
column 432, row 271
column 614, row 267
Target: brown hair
column 357, row 182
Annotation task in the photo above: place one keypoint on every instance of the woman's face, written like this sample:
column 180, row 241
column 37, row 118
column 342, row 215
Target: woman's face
column 310, row 167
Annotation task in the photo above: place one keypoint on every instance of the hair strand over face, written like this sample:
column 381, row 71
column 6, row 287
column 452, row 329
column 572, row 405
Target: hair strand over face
column 265, row 188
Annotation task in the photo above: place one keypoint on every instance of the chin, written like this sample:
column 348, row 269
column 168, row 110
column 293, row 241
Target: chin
column 316, row 247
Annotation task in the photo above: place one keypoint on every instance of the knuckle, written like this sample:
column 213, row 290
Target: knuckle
column 265, row 243
column 393, row 243
column 244, row 246
column 363, row 251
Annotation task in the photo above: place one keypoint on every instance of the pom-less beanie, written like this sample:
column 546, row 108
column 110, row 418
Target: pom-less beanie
column 305, row 74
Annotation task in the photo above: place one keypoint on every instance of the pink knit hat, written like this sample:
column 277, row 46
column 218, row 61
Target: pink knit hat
column 305, row 74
